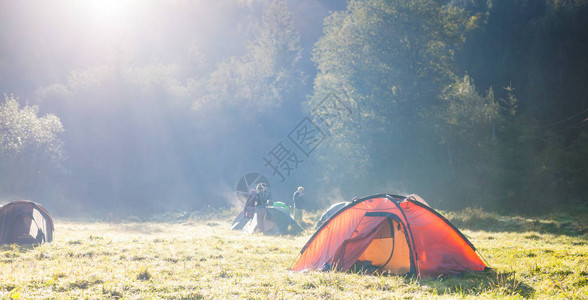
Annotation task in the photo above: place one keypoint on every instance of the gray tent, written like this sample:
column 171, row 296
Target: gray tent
column 25, row 222
column 330, row 212
column 272, row 220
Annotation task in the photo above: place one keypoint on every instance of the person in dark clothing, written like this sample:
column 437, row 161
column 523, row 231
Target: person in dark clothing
column 264, row 194
column 260, row 203
column 258, row 196
column 298, row 204
column 250, row 204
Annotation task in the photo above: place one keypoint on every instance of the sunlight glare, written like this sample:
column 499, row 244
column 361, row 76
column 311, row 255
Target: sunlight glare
column 107, row 24
column 110, row 16
column 108, row 10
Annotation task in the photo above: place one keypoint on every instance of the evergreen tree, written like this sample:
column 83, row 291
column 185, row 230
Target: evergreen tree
column 390, row 60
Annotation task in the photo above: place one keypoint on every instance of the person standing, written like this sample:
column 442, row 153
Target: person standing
column 249, row 209
column 264, row 194
column 260, row 203
column 298, row 203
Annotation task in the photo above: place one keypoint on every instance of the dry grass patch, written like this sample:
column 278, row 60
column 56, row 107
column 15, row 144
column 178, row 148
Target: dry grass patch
column 204, row 259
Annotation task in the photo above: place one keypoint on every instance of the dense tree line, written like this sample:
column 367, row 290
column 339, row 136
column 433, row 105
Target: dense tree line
column 149, row 134
column 409, row 67
column 467, row 103
column 30, row 149
column 541, row 55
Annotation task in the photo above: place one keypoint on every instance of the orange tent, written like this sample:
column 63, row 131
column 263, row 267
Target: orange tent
column 391, row 233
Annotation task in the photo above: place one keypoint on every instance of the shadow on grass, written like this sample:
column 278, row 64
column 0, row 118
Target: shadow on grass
column 16, row 248
column 477, row 283
column 465, row 284
column 477, row 219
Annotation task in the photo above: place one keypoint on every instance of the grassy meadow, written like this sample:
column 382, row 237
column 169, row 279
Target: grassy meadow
column 197, row 256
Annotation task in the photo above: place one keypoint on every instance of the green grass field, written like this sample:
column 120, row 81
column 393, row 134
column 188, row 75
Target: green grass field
column 199, row 257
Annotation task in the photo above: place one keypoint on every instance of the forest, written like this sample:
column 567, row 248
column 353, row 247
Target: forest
column 145, row 106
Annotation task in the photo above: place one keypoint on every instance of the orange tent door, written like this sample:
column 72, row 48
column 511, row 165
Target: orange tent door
column 389, row 249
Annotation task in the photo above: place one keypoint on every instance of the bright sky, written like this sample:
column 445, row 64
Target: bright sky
column 106, row 18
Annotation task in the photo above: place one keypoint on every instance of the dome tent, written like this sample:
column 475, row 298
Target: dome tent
column 333, row 209
column 276, row 220
column 25, row 222
column 389, row 233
